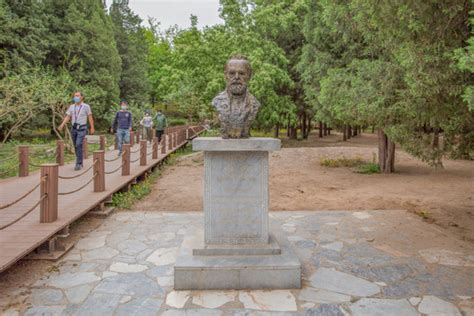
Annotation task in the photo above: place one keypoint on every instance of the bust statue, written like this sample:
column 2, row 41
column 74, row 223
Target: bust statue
column 236, row 107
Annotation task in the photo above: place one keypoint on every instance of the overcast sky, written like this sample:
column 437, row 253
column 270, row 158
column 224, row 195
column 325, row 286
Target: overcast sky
column 171, row 12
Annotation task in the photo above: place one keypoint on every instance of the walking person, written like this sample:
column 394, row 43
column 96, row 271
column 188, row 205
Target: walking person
column 161, row 124
column 122, row 125
column 78, row 113
column 147, row 124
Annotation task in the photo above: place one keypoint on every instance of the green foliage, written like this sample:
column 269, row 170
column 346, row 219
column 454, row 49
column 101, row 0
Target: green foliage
column 186, row 67
column 132, row 46
column 368, row 168
column 125, row 200
column 81, row 41
column 391, row 65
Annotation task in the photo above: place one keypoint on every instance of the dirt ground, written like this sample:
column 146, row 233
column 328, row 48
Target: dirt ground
column 298, row 182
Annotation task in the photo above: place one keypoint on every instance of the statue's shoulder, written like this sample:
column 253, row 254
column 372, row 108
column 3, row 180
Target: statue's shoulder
column 220, row 100
column 254, row 102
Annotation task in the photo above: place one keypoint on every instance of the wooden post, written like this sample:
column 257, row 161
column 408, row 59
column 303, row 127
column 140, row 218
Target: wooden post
column 143, row 152
column 154, row 148
column 99, row 171
column 60, row 152
column 126, row 159
column 163, row 144
column 49, row 189
column 138, row 137
column 23, row 155
column 102, row 142
column 169, row 138
column 85, row 153
column 132, row 138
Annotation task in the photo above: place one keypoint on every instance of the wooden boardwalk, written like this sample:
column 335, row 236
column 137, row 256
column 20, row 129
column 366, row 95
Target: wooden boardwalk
column 24, row 236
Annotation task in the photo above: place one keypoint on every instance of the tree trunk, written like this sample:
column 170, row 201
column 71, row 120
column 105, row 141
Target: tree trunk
column 288, row 127
column 436, row 138
column 304, row 127
column 329, row 130
column 320, row 129
column 386, row 153
column 276, row 131
column 325, row 130
column 349, row 132
column 354, row 131
column 344, row 133
column 293, row 132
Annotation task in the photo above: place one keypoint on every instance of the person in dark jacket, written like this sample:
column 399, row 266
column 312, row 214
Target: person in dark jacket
column 122, row 125
column 161, row 124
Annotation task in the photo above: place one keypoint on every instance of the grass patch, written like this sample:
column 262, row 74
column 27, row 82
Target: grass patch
column 368, row 168
column 358, row 164
column 425, row 215
column 342, row 162
column 125, row 200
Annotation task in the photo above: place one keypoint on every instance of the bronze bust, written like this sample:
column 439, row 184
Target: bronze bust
column 237, row 108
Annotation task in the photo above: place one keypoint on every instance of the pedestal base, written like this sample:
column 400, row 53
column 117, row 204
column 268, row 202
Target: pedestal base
column 236, row 271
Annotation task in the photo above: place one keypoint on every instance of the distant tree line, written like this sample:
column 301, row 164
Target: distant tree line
column 400, row 68
column 51, row 48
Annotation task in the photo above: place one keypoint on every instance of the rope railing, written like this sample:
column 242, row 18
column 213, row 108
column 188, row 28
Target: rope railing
column 78, row 175
column 115, row 159
column 9, row 157
column 134, row 151
column 23, row 196
column 33, row 164
column 81, row 187
column 115, row 170
column 24, row 214
column 132, row 161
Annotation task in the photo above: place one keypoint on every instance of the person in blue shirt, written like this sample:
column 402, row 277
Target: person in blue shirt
column 122, row 125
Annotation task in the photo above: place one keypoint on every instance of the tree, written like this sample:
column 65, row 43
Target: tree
column 132, row 46
column 22, row 33
column 390, row 65
column 82, row 43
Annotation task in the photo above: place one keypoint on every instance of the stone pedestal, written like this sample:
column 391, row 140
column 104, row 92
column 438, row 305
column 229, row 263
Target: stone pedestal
column 236, row 250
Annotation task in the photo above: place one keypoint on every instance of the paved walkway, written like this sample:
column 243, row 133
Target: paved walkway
column 354, row 263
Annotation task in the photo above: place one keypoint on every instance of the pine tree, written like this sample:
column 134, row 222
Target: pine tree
column 22, row 32
column 132, row 46
column 82, row 43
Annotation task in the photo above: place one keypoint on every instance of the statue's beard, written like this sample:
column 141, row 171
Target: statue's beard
column 237, row 88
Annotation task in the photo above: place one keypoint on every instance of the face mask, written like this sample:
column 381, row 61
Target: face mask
column 124, row 107
column 76, row 99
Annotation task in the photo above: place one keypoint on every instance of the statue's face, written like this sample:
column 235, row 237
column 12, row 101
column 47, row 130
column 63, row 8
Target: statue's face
column 237, row 76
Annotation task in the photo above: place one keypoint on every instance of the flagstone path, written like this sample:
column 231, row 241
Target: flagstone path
column 354, row 263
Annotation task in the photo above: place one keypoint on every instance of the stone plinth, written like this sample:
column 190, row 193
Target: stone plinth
column 235, row 250
column 236, row 189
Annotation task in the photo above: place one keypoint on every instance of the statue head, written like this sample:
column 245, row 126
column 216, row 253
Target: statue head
column 237, row 74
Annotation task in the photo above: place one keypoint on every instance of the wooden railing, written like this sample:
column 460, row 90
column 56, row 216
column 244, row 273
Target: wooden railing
column 49, row 176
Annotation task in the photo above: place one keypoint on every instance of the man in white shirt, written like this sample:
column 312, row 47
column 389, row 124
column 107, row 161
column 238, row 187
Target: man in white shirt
column 78, row 113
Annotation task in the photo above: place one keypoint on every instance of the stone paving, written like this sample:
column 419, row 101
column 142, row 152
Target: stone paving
column 354, row 263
